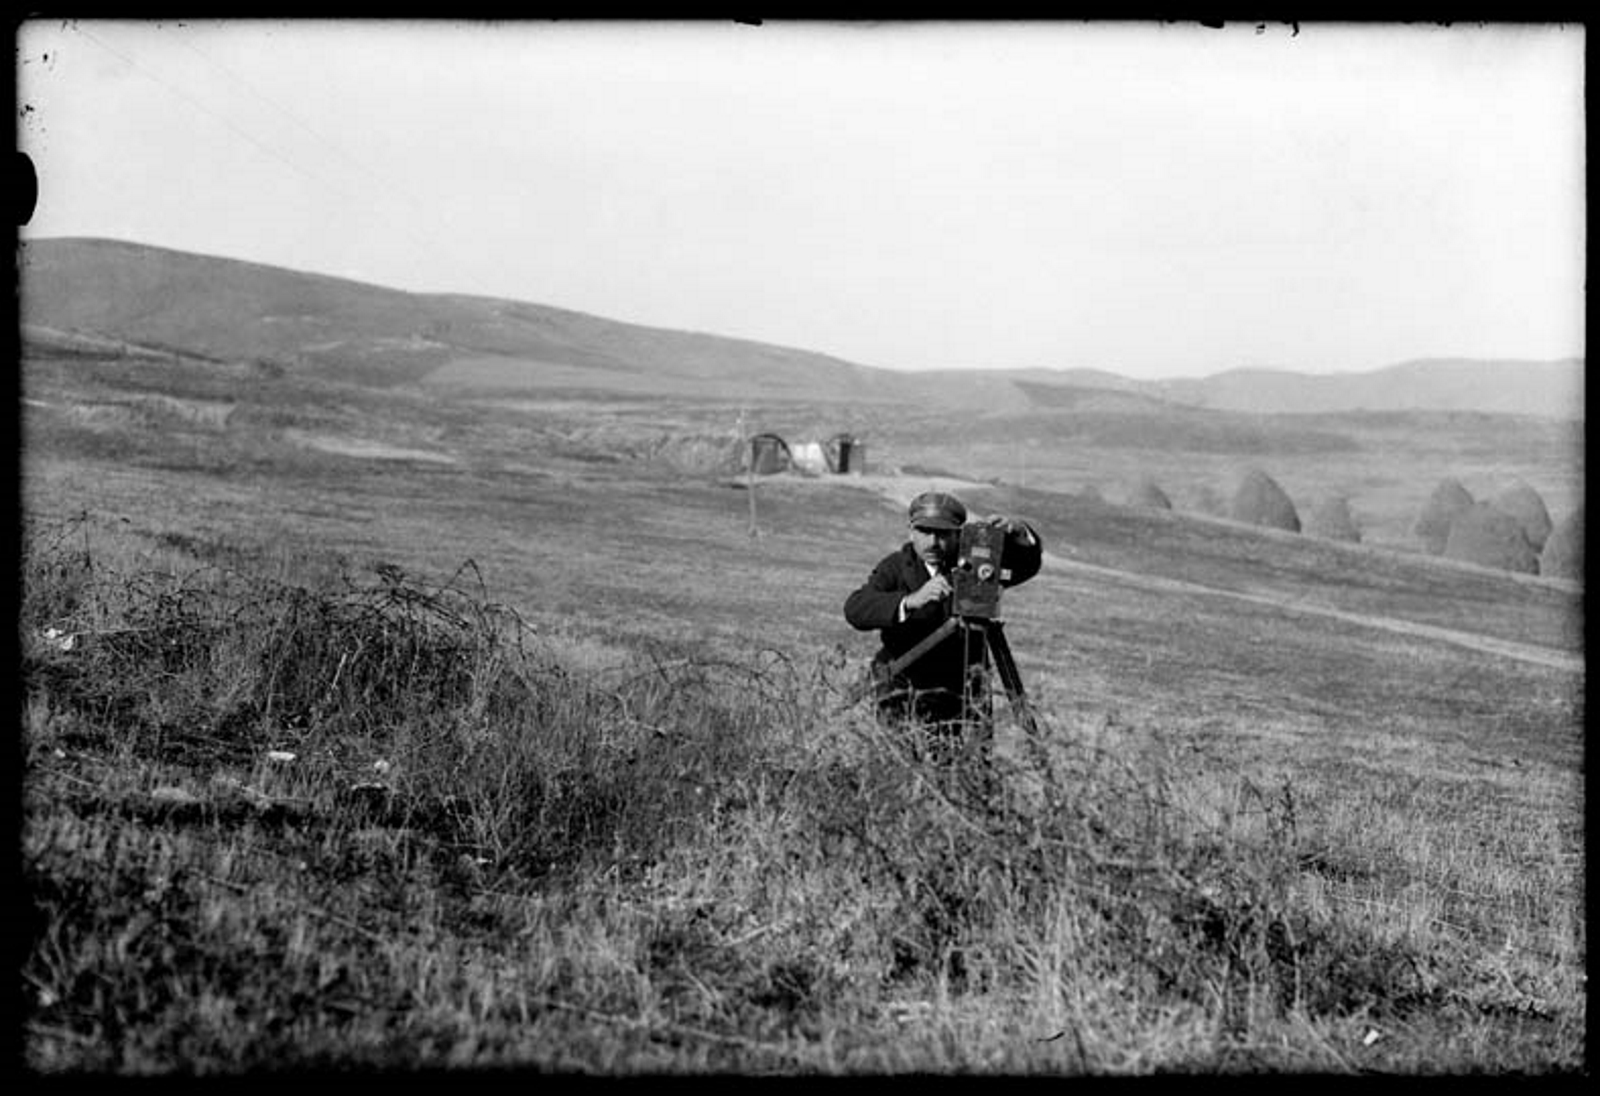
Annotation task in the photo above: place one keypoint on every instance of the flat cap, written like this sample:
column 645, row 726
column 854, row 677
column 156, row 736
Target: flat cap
column 938, row 510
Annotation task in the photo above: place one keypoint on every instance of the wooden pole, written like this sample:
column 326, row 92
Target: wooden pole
column 750, row 489
column 750, row 473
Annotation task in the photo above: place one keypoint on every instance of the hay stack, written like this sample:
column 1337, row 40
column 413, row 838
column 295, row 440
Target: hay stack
column 1433, row 524
column 1331, row 519
column 1147, row 493
column 1260, row 501
column 1488, row 536
column 1563, row 549
column 1207, row 501
column 1523, row 503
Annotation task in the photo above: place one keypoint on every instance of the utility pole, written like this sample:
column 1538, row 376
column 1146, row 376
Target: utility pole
column 750, row 472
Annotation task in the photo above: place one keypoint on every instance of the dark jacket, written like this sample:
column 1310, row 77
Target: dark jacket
column 876, row 605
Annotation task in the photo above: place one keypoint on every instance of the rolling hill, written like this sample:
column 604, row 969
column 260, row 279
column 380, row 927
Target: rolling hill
column 144, row 299
column 1551, row 389
column 228, row 310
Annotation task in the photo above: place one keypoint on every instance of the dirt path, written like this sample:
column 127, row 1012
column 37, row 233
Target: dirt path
column 372, row 450
column 1524, row 652
column 893, row 489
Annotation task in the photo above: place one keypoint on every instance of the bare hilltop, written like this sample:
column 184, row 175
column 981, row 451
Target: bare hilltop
column 156, row 300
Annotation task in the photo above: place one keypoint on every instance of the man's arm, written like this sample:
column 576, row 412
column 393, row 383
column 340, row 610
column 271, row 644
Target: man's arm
column 876, row 604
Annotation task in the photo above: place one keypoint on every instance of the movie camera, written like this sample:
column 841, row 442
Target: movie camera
column 975, row 579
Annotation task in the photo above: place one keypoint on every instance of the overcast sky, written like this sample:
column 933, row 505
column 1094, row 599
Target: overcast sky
column 1158, row 201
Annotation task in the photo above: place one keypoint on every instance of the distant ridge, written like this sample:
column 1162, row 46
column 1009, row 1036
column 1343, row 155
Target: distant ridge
column 1553, row 389
column 152, row 299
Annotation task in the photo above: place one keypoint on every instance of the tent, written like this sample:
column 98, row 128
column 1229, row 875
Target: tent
column 846, row 454
column 769, row 454
column 809, row 458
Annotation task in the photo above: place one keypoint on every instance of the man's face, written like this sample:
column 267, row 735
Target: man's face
column 935, row 547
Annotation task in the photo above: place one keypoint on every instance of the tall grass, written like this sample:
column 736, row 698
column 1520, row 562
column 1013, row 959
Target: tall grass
column 285, row 814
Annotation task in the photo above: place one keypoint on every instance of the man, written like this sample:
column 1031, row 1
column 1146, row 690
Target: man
column 908, row 597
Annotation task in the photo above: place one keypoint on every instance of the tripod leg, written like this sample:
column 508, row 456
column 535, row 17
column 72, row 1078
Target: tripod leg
column 973, row 673
column 899, row 665
column 1009, row 677
column 924, row 646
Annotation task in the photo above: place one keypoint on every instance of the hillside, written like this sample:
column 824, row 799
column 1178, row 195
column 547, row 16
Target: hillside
column 161, row 301
column 1551, row 389
column 228, row 310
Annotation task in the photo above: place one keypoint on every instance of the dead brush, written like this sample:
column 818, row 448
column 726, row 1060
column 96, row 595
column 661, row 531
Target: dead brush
column 57, row 570
column 1093, row 842
column 413, row 703
column 490, row 758
column 217, row 657
column 610, row 769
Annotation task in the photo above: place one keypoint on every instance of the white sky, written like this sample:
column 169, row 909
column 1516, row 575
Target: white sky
column 1158, row 201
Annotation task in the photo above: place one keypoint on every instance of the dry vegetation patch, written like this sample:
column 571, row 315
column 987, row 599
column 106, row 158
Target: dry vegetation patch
column 323, row 819
column 303, row 789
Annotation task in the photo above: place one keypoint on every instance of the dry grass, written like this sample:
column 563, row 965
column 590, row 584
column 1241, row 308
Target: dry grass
column 589, row 802
column 1386, row 465
column 491, row 847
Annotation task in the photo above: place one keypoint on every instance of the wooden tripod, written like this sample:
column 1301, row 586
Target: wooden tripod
column 988, row 632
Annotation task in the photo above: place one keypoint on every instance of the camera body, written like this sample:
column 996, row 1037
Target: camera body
column 976, row 577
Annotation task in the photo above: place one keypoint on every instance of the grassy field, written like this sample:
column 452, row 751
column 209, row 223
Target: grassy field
column 1385, row 465
column 382, row 730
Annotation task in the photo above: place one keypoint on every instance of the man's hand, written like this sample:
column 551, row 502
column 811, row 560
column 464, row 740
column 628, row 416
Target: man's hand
column 1011, row 527
column 934, row 589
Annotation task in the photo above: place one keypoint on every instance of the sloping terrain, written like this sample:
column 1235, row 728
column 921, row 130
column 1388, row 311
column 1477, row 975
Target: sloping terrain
column 1550, row 389
column 161, row 301
column 431, row 483
column 1374, row 751
column 147, row 299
